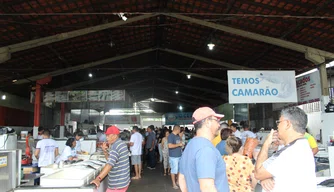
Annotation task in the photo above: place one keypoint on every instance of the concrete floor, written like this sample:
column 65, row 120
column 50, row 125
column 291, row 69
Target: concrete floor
column 154, row 181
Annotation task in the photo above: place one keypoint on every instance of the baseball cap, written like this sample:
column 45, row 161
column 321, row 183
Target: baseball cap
column 112, row 130
column 204, row 112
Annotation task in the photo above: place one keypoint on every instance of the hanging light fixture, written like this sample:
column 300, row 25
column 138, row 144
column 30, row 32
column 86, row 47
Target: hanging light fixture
column 3, row 97
column 111, row 44
column 176, row 92
column 122, row 16
column 180, row 107
column 188, row 76
column 90, row 75
column 211, row 46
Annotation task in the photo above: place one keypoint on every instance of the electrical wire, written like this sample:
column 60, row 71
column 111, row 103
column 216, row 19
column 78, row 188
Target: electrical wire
column 229, row 17
column 5, row 142
column 157, row 13
column 121, row 26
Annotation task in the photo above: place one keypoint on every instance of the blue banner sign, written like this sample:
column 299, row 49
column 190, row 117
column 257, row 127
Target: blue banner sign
column 178, row 118
column 261, row 86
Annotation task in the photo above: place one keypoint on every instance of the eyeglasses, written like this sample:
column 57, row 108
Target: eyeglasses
column 278, row 121
column 217, row 120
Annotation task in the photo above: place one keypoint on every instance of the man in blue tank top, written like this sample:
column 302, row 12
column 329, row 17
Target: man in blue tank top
column 201, row 167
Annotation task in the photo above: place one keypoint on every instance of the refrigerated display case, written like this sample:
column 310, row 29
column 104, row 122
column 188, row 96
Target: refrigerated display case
column 10, row 169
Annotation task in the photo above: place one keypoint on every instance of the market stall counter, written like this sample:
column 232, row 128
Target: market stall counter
column 88, row 188
column 73, row 176
column 88, row 145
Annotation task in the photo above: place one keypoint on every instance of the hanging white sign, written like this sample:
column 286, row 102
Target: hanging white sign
column 261, row 86
column 308, row 91
column 308, row 88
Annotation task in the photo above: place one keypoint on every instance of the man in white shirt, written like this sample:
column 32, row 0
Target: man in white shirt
column 46, row 150
column 291, row 168
column 78, row 136
column 246, row 133
column 40, row 132
column 101, row 137
column 236, row 132
column 136, row 142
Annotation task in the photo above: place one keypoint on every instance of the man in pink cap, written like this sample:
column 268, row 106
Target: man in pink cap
column 201, row 167
column 118, row 165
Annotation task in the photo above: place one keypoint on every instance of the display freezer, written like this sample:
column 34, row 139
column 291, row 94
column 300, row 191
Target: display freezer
column 72, row 177
column 10, row 169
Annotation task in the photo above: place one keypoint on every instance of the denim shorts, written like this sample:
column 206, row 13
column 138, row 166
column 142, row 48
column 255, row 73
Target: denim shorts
column 136, row 159
column 174, row 164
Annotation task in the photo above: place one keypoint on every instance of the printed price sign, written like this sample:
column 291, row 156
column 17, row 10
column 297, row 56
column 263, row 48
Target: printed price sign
column 3, row 161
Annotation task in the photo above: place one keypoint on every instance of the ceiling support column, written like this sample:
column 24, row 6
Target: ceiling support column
column 62, row 120
column 4, row 54
column 321, row 62
column 38, row 99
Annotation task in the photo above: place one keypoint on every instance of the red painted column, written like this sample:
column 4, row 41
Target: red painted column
column 38, row 98
column 37, row 111
column 62, row 114
column 2, row 116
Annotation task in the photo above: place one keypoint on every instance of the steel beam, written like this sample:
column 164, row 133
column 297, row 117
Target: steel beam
column 287, row 33
column 191, row 87
column 116, row 87
column 129, row 84
column 207, row 60
column 82, row 66
column 177, row 99
column 163, row 97
column 266, row 39
column 188, row 95
column 63, row 36
column 139, row 90
column 112, row 59
column 69, row 87
column 134, row 93
column 196, row 75
column 170, row 99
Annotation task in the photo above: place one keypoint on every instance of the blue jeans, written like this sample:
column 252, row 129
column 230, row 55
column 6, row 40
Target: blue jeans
column 151, row 158
column 38, row 180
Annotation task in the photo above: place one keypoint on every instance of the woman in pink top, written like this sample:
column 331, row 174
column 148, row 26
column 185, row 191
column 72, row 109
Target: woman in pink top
column 239, row 168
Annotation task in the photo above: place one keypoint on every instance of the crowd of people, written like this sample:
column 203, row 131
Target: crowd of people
column 211, row 157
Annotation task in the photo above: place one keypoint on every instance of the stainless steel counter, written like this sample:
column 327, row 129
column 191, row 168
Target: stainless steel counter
column 88, row 145
column 72, row 177
column 87, row 188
